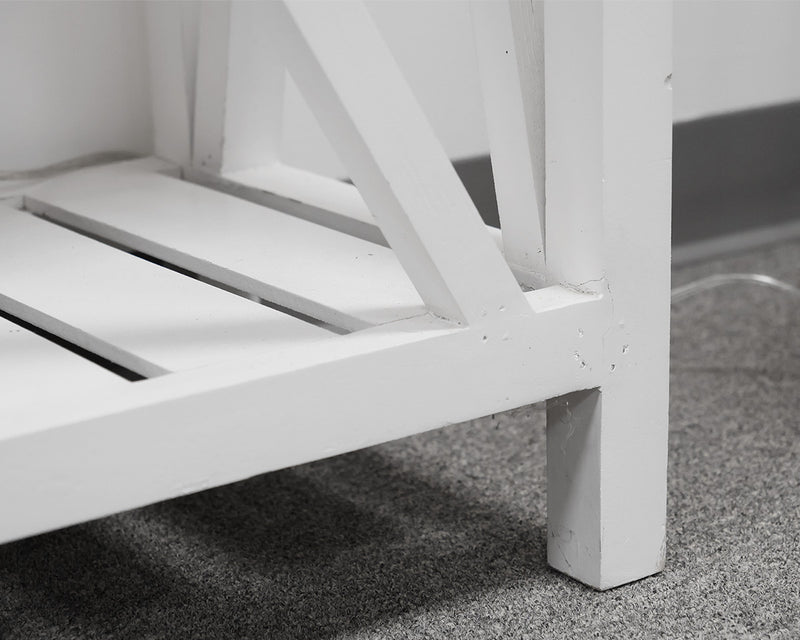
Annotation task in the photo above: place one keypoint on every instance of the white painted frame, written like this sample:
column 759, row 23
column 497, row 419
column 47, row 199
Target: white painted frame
column 593, row 340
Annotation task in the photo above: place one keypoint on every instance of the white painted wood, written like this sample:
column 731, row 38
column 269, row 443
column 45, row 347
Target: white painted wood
column 341, row 280
column 230, row 421
column 240, row 78
column 34, row 370
column 170, row 79
column 509, row 37
column 368, row 112
column 332, row 203
column 132, row 312
column 326, row 201
column 597, row 341
column 608, row 230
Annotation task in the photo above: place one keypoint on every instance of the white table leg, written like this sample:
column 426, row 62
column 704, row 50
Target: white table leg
column 608, row 102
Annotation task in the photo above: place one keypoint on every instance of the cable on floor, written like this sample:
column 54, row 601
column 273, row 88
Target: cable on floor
column 712, row 282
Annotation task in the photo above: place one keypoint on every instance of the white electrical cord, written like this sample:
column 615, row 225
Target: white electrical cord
column 712, row 282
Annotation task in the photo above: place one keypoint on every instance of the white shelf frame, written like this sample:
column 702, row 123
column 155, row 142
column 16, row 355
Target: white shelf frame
column 592, row 338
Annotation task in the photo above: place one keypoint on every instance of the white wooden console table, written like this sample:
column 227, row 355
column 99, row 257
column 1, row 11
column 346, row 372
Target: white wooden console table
column 389, row 308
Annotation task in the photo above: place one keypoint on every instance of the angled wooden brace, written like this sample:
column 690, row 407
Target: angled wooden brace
column 367, row 110
column 238, row 122
column 509, row 37
column 365, row 107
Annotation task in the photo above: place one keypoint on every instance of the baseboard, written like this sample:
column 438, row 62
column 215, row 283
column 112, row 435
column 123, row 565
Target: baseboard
column 688, row 252
column 735, row 182
column 735, row 173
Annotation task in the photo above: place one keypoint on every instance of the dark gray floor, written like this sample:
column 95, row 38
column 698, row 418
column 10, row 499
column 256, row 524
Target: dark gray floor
column 442, row 535
column 732, row 173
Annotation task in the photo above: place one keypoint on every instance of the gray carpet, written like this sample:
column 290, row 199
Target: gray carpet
column 443, row 535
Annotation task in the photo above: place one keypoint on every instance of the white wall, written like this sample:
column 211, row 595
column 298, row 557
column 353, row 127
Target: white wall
column 728, row 55
column 432, row 43
column 731, row 55
column 74, row 73
column 74, row 81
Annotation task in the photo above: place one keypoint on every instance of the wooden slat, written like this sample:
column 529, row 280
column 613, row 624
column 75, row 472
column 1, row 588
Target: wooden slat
column 132, row 312
column 339, row 279
column 34, row 370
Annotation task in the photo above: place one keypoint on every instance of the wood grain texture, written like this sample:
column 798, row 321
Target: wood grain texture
column 341, row 280
column 125, row 309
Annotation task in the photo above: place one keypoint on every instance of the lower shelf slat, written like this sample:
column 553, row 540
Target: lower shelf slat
column 34, row 370
column 345, row 281
column 146, row 318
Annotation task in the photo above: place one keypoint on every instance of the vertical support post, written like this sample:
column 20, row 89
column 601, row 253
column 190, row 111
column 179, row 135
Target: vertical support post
column 240, row 83
column 170, row 77
column 609, row 125
column 509, row 38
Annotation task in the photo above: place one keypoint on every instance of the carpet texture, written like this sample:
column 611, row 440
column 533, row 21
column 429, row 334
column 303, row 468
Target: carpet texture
column 442, row 535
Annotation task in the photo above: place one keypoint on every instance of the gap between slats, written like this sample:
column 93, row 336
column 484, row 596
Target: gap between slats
column 146, row 318
column 10, row 323
column 196, row 276
column 37, row 368
column 341, row 280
